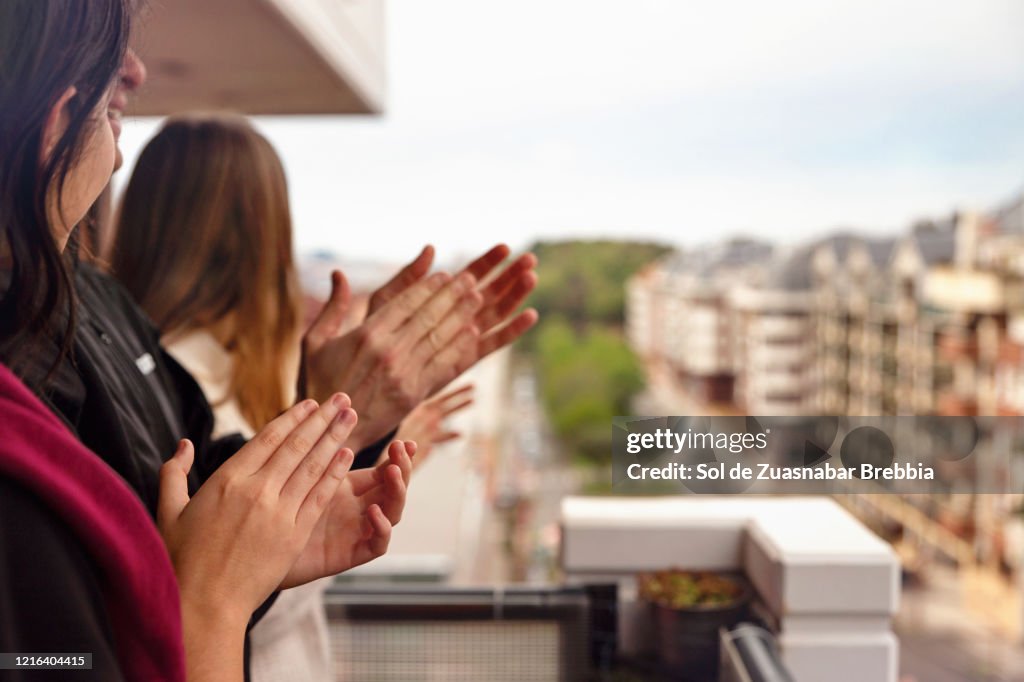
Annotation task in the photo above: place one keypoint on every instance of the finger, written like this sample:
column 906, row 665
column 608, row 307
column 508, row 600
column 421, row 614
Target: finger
column 453, row 360
column 507, row 334
column 332, row 316
column 410, row 447
column 454, row 394
column 375, row 485
column 311, row 469
column 304, row 438
column 483, row 265
column 406, row 277
column 508, row 276
column 453, row 400
column 440, row 318
column 378, row 532
column 390, row 495
column 446, row 436
column 320, row 495
column 261, row 446
column 438, row 337
column 395, row 313
column 495, row 312
column 399, row 455
column 449, row 411
column 174, row 484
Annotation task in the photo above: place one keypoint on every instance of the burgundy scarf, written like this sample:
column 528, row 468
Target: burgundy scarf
column 141, row 593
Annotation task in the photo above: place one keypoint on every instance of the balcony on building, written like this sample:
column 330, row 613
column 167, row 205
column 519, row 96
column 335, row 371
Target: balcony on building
column 263, row 57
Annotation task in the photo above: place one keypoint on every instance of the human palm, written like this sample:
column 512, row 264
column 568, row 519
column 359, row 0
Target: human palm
column 352, row 530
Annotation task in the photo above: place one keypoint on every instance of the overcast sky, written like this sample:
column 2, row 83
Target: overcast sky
column 670, row 119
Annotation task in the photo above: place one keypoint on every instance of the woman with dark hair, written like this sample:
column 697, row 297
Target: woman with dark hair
column 204, row 245
column 77, row 556
column 67, row 91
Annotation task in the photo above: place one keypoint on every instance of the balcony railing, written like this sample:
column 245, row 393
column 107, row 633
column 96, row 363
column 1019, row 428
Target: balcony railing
column 397, row 633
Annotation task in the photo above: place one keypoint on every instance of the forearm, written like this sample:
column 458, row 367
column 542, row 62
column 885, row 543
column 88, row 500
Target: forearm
column 214, row 643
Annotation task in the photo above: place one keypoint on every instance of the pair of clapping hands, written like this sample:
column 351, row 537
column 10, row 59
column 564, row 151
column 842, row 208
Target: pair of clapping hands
column 284, row 510
column 290, row 485
column 421, row 332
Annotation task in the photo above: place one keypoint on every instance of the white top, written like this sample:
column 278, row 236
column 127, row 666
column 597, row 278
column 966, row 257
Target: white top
column 290, row 642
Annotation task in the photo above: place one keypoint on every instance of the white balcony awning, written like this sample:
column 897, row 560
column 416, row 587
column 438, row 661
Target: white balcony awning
column 262, row 56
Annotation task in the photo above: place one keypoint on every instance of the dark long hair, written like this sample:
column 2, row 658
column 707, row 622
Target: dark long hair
column 46, row 47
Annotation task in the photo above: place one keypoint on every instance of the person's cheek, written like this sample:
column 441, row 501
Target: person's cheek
column 105, row 158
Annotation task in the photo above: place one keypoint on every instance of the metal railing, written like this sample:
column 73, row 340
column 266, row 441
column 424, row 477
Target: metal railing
column 397, row 633
column 405, row 633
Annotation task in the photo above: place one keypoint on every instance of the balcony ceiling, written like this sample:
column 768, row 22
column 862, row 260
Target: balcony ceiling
column 262, row 56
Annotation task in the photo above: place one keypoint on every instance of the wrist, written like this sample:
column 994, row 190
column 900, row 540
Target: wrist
column 213, row 615
column 214, row 640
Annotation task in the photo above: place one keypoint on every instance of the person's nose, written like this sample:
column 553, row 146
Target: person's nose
column 133, row 71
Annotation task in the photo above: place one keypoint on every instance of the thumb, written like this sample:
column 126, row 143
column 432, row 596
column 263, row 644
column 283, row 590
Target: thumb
column 174, row 485
column 332, row 315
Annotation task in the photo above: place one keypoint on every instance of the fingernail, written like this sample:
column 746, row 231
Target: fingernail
column 347, row 416
column 339, row 400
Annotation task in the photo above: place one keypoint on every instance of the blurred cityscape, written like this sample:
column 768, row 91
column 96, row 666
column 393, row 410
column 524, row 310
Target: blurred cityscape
column 930, row 322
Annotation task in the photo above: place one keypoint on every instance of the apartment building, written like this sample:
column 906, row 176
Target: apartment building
column 644, row 303
column 921, row 373
column 929, row 323
column 981, row 298
column 679, row 315
column 855, row 323
column 775, row 359
column 1009, row 379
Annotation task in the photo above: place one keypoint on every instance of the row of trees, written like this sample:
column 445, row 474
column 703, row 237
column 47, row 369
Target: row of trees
column 586, row 371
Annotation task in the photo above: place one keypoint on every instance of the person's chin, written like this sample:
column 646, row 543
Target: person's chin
column 118, row 158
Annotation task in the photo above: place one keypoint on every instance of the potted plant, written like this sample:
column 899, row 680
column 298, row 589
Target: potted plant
column 689, row 608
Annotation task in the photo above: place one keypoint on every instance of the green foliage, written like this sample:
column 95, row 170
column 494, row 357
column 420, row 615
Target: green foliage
column 586, row 371
column 584, row 282
column 680, row 589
